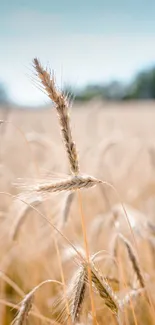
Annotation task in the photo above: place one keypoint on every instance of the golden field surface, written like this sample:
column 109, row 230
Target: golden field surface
column 116, row 144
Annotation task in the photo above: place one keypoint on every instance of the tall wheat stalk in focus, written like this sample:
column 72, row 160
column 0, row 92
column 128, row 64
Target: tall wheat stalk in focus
column 62, row 108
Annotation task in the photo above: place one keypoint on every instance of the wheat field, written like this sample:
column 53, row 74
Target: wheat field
column 84, row 255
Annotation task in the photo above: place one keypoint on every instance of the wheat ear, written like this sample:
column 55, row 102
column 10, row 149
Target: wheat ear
column 66, row 206
column 78, row 287
column 77, row 292
column 24, row 310
column 105, row 290
column 62, row 106
column 70, row 184
column 26, row 303
column 133, row 260
column 21, row 217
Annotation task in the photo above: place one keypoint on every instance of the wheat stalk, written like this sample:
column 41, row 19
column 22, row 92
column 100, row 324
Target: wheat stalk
column 78, row 287
column 133, row 260
column 21, row 217
column 27, row 302
column 105, row 290
column 24, row 310
column 77, row 182
column 62, row 106
column 66, row 206
column 77, row 292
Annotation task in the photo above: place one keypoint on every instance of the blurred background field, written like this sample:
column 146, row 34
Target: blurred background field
column 116, row 144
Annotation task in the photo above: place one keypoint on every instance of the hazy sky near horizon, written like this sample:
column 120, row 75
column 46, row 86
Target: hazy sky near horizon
column 83, row 41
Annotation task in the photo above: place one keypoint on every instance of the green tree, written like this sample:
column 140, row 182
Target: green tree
column 3, row 95
column 143, row 87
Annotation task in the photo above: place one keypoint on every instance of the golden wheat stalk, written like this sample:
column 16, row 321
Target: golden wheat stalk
column 27, row 302
column 24, row 310
column 21, row 217
column 105, row 291
column 62, row 107
column 133, row 260
column 66, row 206
column 77, row 292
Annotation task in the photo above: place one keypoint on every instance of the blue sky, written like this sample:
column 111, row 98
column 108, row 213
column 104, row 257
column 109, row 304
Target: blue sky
column 83, row 41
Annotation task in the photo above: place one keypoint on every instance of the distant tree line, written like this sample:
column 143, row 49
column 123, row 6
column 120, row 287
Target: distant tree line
column 3, row 94
column 141, row 87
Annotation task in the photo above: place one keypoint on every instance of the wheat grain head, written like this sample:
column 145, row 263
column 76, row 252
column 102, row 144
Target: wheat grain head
column 62, row 107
